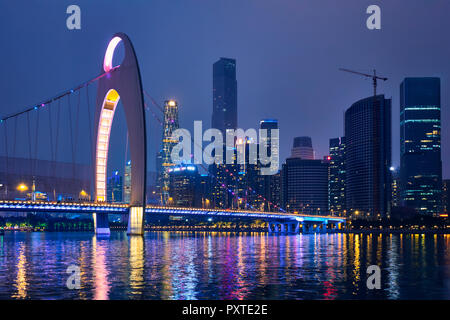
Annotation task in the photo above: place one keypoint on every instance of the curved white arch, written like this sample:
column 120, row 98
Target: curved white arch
column 107, row 62
column 104, row 130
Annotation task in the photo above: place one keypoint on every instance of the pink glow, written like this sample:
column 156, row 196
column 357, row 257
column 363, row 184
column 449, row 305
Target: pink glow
column 107, row 63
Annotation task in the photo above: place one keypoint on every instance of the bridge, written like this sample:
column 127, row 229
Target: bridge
column 276, row 222
column 123, row 82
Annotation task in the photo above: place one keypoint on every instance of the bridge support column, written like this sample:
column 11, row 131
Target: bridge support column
column 136, row 221
column 101, row 224
column 270, row 227
column 324, row 227
column 283, row 228
column 297, row 228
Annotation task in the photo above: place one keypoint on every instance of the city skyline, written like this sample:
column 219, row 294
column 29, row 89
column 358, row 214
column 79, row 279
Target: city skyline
column 190, row 83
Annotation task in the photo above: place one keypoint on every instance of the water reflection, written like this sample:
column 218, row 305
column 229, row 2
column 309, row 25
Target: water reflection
column 185, row 265
column 101, row 285
column 137, row 261
column 21, row 278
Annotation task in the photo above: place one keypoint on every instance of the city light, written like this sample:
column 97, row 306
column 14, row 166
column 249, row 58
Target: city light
column 22, row 187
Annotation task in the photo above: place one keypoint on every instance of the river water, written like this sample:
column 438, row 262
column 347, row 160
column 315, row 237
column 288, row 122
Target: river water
column 205, row 265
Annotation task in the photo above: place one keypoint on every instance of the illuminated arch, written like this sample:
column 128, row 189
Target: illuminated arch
column 122, row 82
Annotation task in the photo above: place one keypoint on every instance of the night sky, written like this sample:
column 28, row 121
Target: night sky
column 288, row 53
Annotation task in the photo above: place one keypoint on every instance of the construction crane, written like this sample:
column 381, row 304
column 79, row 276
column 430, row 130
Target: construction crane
column 373, row 76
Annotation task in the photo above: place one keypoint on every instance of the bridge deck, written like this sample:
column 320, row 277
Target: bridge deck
column 99, row 208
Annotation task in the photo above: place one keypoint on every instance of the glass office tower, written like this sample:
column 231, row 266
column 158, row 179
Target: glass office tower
column 368, row 158
column 420, row 145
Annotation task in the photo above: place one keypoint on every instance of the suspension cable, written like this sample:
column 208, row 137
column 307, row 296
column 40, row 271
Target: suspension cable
column 91, row 144
column 50, row 122
column 71, row 137
column 29, row 144
column 35, row 144
column 57, row 97
column 7, row 159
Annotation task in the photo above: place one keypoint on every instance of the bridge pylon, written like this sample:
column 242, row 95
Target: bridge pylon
column 122, row 82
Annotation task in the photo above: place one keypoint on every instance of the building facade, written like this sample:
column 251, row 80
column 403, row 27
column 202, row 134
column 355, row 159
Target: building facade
column 446, row 196
column 302, row 148
column 271, row 184
column 224, row 114
column 183, row 186
column 114, row 188
column 368, row 158
column 337, row 177
column 420, row 145
column 169, row 126
column 305, row 186
column 127, row 183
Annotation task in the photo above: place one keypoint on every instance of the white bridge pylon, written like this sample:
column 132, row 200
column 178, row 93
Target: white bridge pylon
column 124, row 83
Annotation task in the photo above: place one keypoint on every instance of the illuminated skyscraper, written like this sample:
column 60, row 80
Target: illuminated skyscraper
column 305, row 186
column 127, row 183
column 336, row 180
column 368, row 158
column 184, row 184
column 169, row 126
column 224, row 114
column 114, row 188
column 446, row 196
column 302, row 148
column 395, row 188
column 420, row 144
column 271, row 184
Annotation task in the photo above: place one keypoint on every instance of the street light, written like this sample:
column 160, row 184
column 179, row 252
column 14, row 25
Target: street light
column 22, row 187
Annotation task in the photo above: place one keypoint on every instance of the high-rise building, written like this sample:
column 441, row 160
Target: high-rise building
column 270, row 183
column 183, row 187
column 368, row 157
column 395, row 188
column 224, row 182
column 274, row 202
column 302, row 148
column 224, row 117
column 446, row 196
column 305, row 186
column 114, row 188
column 127, row 183
column 420, row 145
column 224, row 114
column 169, row 126
column 336, row 181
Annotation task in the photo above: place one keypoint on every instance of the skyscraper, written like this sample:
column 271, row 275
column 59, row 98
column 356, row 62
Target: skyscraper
column 305, row 186
column 184, row 185
column 114, row 188
column 446, row 196
column 420, row 145
column 395, row 188
column 224, row 117
column 368, row 157
column 169, row 126
column 336, row 181
column 270, row 183
column 224, row 114
column 302, row 148
column 127, row 183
